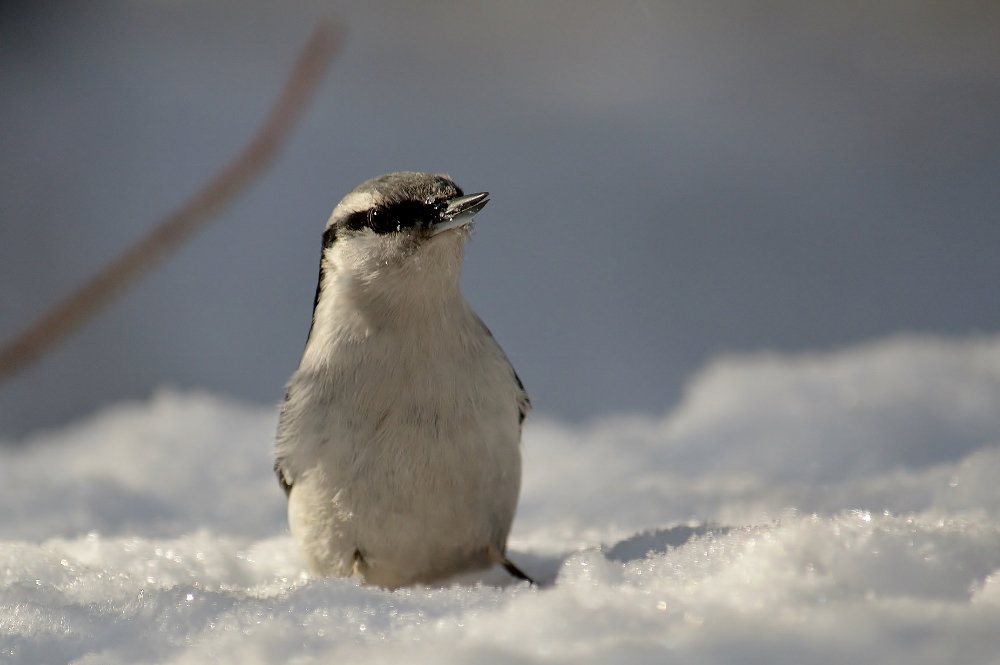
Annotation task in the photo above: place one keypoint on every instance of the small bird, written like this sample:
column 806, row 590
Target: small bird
column 398, row 443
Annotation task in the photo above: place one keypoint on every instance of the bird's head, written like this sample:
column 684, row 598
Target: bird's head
column 400, row 229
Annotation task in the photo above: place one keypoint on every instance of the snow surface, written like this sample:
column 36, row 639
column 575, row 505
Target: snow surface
column 793, row 508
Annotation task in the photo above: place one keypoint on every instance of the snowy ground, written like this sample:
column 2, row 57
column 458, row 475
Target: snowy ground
column 810, row 508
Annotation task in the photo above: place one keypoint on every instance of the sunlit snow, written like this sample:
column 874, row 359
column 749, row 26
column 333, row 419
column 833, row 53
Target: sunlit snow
column 793, row 508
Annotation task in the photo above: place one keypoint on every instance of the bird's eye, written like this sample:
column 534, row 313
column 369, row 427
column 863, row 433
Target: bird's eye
column 382, row 221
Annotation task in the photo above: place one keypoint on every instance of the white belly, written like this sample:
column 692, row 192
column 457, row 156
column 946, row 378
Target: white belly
column 406, row 467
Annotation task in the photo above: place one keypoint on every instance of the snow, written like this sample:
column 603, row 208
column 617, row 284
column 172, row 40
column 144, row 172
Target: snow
column 793, row 508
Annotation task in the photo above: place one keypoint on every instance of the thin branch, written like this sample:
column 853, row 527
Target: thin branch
column 122, row 273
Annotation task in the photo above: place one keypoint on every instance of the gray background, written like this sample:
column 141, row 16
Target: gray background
column 669, row 181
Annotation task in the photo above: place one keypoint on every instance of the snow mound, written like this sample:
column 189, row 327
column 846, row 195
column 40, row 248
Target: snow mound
column 178, row 463
column 793, row 508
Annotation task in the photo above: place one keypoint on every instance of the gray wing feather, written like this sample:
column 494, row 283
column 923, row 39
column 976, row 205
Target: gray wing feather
column 523, row 401
column 284, row 478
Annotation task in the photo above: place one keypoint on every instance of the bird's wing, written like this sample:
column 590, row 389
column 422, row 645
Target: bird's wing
column 523, row 401
column 284, row 478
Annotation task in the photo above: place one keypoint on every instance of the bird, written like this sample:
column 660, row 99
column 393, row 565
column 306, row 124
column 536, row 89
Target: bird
column 398, row 443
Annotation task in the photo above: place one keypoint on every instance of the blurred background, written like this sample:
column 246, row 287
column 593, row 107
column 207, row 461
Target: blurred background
column 669, row 181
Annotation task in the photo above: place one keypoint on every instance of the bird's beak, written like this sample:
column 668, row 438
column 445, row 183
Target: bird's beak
column 459, row 211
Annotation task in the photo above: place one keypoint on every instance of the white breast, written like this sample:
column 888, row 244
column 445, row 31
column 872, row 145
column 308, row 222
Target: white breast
column 401, row 436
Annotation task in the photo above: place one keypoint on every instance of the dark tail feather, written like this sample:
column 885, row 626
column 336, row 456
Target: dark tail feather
column 515, row 571
column 501, row 560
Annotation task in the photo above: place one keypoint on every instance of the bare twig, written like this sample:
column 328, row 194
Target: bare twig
column 114, row 279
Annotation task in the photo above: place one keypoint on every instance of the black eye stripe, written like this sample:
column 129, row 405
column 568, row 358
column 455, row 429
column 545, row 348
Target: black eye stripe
column 392, row 218
column 355, row 221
